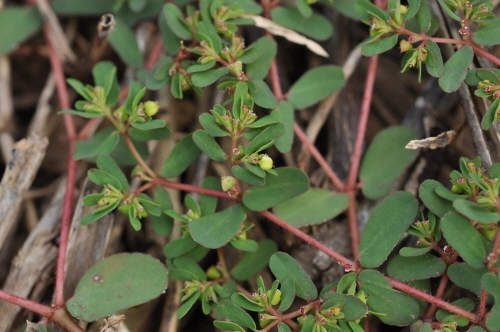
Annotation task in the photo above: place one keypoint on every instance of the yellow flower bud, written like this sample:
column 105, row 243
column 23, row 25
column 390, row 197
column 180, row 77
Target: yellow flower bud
column 151, row 107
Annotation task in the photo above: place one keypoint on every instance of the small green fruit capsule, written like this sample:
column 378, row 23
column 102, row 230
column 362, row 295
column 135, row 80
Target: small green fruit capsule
column 266, row 162
column 489, row 231
column 265, row 320
column 151, row 107
column 213, row 273
column 403, row 9
column 456, row 190
column 227, row 182
column 124, row 209
column 236, row 68
column 276, row 297
column 405, row 45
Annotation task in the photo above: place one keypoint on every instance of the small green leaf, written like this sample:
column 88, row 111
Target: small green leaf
column 413, row 252
column 286, row 115
column 215, row 230
column 424, row 16
column 289, row 182
column 207, row 30
column 455, row 69
column 227, row 326
column 476, row 212
column 263, row 139
column 288, row 289
column 102, row 143
column 315, row 25
column 313, row 206
column 397, row 308
column 415, row 268
column 315, row 85
column 208, row 123
column 236, row 314
column 247, row 176
column 185, row 268
column 261, row 94
column 86, row 115
column 16, row 25
column 413, row 8
column 182, row 155
column 244, row 245
column 434, row 63
column 387, row 224
column 208, row 203
column 175, row 21
column 188, row 304
column 379, row 46
column 385, row 159
column 149, row 125
column 207, row 144
column 246, row 303
column 464, row 238
column 353, row 308
column 253, row 262
column 171, row 42
column 488, row 33
column 115, row 283
column 437, row 204
column 104, row 74
column 98, row 214
column 259, row 57
column 491, row 115
column 451, row 13
column 108, row 165
column 283, row 266
column 149, row 135
column 123, row 41
column 163, row 224
column 208, row 77
column 465, row 276
column 180, row 246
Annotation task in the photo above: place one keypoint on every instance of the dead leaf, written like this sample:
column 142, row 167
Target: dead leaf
column 439, row 141
column 289, row 34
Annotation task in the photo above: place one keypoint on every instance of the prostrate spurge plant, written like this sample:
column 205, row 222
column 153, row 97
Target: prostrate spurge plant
column 457, row 237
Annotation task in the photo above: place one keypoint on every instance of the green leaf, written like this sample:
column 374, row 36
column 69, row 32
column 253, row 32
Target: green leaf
column 385, row 159
column 253, row 262
column 98, row 213
column 413, row 252
column 246, row 303
column 180, row 246
column 491, row 284
column 434, row 63
column 413, row 8
column 215, row 230
column 315, row 26
column 259, row 57
column 104, row 74
column 424, row 17
column 315, row 85
column 185, row 268
column 387, row 224
column 247, row 176
column 397, row 308
column 159, row 76
column 476, row 212
column 86, row 115
column 353, row 308
column 415, row 268
column 207, row 30
column 123, row 41
column 260, row 141
column 465, row 276
column 286, row 115
column 455, row 69
column 149, row 125
column 261, row 94
column 283, row 266
column 227, row 326
column 207, row 144
column 171, row 43
column 379, row 46
column 115, row 283
column 288, row 183
column 313, row 206
column 149, row 135
column 464, row 238
column 244, row 245
column 488, row 33
column 449, row 11
column 108, row 165
column 437, row 204
column 236, row 314
column 79, row 87
column 77, row 7
column 187, row 305
column 208, row 123
column 102, row 143
column 182, row 155
column 175, row 21
column 491, row 115
column 208, row 203
column 16, row 25
column 163, row 224
column 208, row 77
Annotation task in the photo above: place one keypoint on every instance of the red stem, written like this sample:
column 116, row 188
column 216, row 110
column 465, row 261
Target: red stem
column 348, row 264
column 433, row 300
column 275, row 81
column 187, row 187
column 319, row 158
column 439, row 294
column 155, row 53
column 482, row 304
column 38, row 308
column 62, row 93
column 353, row 223
column 479, row 51
column 363, row 121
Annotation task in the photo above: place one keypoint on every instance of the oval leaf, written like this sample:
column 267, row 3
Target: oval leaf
column 16, row 25
column 253, row 262
column 208, row 145
column 437, row 204
column 123, row 41
column 385, row 159
column 379, row 46
column 455, row 69
column 488, row 34
column 315, row 26
column 415, row 268
column 289, row 182
column 283, row 266
column 476, row 212
column 315, row 85
column 387, row 224
column 313, row 206
column 464, row 238
column 182, row 155
column 116, row 283
column 215, row 230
